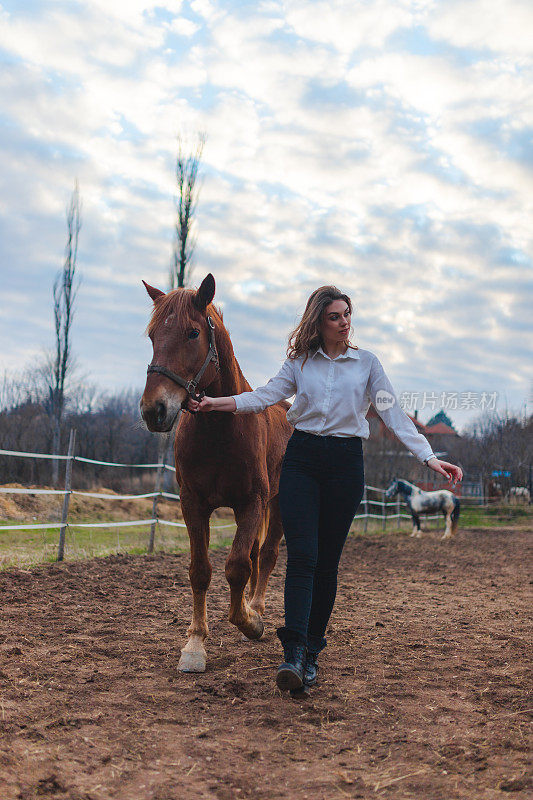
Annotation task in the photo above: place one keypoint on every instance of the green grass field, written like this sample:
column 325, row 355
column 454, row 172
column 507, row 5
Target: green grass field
column 471, row 517
column 27, row 548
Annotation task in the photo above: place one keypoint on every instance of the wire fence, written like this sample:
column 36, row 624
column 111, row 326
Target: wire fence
column 381, row 510
column 67, row 492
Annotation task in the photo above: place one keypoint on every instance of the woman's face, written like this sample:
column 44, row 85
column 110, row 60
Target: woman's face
column 336, row 321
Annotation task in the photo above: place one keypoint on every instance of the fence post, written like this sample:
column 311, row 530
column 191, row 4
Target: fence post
column 398, row 510
column 158, row 476
column 384, row 511
column 365, row 501
column 66, row 499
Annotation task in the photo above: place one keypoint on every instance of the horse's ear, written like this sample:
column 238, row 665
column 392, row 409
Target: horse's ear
column 205, row 293
column 154, row 293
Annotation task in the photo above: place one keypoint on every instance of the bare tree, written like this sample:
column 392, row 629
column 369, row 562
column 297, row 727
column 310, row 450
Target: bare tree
column 187, row 166
column 59, row 363
column 13, row 391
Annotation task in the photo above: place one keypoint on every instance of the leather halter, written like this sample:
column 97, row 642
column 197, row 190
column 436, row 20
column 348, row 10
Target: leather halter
column 192, row 385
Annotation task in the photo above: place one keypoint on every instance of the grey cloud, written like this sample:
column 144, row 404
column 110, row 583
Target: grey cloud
column 505, row 138
column 320, row 95
column 417, row 40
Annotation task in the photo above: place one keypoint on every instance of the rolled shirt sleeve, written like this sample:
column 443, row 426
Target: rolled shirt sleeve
column 280, row 387
column 383, row 397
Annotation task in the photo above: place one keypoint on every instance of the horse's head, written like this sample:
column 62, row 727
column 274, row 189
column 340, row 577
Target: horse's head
column 392, row 490
column 405, row 488
column 181, row 339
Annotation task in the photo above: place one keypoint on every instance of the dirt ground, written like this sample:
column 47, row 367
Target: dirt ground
column 423, row 686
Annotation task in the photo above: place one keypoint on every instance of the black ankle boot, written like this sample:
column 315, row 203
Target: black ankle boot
column 310, row 669
column 291, row 672
column 309, row 677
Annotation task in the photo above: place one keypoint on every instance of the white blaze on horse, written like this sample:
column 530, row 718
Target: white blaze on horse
column 420, row 502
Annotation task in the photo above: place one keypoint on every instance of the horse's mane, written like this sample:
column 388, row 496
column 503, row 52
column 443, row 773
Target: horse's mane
column 180, row 303
column 411, row 485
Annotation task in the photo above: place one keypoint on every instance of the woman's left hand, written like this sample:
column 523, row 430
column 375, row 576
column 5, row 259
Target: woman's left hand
column 450, row 471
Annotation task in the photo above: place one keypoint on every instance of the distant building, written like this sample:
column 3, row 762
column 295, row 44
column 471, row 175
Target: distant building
column 439, row 435
column 441, row 416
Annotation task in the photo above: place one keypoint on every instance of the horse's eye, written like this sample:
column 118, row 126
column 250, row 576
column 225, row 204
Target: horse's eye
column 194, row 334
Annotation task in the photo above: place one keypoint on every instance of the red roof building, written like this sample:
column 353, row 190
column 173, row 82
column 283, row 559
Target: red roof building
column 439, row 435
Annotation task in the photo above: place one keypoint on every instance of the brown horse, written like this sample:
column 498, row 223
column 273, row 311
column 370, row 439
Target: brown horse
column 222, row 459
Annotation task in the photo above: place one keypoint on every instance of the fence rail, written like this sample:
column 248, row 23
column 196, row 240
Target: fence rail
column 84, row 460
column 67, row 492
column 155, row 520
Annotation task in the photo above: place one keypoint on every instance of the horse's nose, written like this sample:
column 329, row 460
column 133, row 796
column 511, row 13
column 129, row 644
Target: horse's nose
column 154, row 415
column 161, row 412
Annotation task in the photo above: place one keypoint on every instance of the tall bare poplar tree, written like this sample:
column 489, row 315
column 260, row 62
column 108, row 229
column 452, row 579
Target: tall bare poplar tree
column 187, row 166
column 60, row 362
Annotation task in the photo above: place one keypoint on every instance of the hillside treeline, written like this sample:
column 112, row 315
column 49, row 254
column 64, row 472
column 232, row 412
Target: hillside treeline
column 109, row 428
column 492, row 443
column 495, row 443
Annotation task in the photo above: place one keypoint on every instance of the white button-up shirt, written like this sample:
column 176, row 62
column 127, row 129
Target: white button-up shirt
column 332, row 397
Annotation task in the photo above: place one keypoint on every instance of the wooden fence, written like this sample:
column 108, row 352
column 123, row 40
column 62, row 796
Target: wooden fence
column 370, row 508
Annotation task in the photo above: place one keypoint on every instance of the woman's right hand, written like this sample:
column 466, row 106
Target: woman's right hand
column 205, row 404
column 211, row 404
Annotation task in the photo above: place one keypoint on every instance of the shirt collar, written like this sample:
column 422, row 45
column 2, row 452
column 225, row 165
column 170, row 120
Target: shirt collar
column 350, row 353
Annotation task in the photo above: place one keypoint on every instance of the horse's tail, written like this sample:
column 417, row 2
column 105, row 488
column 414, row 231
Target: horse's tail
column 264, row 526
column 455, row 515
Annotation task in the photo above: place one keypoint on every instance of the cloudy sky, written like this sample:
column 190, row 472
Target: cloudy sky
column 381, row 145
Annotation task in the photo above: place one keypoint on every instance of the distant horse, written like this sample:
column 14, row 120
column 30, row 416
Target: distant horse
column 419, row 502
column 519, row 495
column 222, row 459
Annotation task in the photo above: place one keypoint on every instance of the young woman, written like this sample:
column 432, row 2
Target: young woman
column 322, row 476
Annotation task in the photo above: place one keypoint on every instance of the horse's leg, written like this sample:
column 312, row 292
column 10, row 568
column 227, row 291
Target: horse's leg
column 448, row 526
column 254, row 558
column 268, row 555
column 417, row 530
column 193, row 655
column 239, row 569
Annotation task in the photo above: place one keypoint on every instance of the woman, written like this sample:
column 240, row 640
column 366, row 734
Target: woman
column 322, row 476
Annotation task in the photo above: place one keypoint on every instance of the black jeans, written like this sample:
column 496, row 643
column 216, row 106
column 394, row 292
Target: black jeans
column 321, row 486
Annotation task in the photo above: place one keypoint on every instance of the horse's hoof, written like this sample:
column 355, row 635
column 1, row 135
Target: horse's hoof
column 191, row 662
column 254, row 630
column 245, row 638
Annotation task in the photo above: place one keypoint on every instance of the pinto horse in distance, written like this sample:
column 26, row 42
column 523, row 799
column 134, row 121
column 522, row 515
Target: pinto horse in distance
column 222, row 459
column 420, row 502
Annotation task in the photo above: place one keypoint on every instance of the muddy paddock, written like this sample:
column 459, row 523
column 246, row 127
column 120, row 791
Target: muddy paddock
column 423, row 690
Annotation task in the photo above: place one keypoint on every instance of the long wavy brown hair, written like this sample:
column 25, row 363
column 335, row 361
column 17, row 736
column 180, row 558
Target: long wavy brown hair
column 307, row 335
